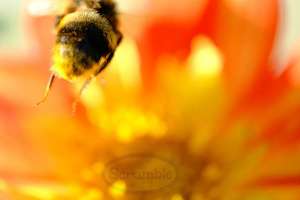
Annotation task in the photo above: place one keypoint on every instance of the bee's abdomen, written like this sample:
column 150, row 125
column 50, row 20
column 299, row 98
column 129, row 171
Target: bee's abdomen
column 85, row 38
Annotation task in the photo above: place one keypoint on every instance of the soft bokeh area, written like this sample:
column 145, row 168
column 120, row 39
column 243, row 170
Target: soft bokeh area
column 201, row 102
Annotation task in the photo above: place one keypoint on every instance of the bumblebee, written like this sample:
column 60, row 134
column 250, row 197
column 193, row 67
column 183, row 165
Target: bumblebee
column 87, row 36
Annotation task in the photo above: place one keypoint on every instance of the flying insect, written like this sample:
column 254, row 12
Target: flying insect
column 87, row 36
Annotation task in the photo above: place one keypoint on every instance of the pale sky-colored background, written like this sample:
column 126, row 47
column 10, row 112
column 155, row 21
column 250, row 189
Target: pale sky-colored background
column 289, row 33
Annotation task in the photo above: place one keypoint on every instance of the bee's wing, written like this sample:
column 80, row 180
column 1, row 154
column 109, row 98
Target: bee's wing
column 48, row 7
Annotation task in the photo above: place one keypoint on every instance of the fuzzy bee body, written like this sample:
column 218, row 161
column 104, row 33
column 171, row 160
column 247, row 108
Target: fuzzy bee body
column 87, row 36
column 84, row 38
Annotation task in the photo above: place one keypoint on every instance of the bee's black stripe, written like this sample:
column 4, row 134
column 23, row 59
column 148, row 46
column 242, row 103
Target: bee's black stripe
column 86, row 38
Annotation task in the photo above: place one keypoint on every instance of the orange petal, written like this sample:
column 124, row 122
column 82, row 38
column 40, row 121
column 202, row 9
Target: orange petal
column 169, row 33
column 244, row 32
column 23, row 86
column 275, row 106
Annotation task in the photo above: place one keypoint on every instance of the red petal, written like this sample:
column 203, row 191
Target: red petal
column 168, row 35
column 244, row 32
column 285, row 181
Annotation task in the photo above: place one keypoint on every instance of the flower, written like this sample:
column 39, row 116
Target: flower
column 192, row 93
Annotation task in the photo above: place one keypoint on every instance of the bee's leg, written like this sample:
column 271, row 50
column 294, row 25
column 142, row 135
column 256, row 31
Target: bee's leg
column 47, row 90
column 85, row 84
column 120, row 38
column 109, row 56
column 105, row 63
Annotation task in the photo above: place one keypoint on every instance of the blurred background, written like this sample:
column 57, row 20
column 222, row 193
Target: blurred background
column 208, row 90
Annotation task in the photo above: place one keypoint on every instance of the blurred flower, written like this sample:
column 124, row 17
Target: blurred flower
column 194, row 87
